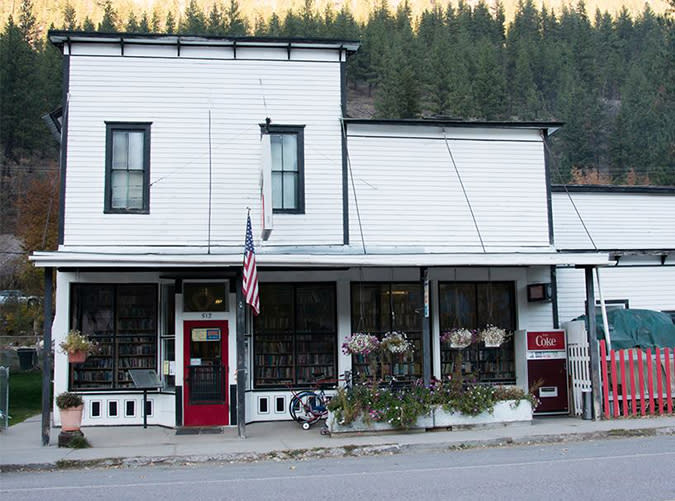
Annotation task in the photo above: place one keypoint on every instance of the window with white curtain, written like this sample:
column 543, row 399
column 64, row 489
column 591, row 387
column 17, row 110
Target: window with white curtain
column 127, row 167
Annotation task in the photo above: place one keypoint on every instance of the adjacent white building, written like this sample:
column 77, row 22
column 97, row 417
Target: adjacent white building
column 371, row 226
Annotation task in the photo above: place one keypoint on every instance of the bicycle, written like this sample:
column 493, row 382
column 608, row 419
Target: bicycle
column 309, row 406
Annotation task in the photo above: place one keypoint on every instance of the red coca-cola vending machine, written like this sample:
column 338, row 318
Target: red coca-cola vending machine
column 547, row 362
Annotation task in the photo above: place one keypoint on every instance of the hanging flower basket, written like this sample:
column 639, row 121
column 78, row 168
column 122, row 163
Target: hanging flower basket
column 77, row 346
column 396, row 342
column 77, row 357
column 492, row 336
column 458, row 338
column 360, row 343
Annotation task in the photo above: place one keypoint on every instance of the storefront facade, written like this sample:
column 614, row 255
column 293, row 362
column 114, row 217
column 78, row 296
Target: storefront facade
column 375, row 226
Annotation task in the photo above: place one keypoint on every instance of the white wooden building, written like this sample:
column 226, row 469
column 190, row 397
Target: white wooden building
column 420, row 226
column 635, row 227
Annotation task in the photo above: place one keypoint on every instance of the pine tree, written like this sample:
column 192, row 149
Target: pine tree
column 274, row 26
column 144, row 24
column 19, row 108
column 235, row 24
column 259, row 26
column 70, row 18
column 192, row 22
column 88, row 25
column 109, row 22
column 170, row 23
column 215, row 24
column 489, row 83
column 155, row 22
column 132, row 24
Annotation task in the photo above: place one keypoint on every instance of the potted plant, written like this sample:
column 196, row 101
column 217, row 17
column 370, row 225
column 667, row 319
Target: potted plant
column 77, row 346
column 458, row 338
column 70, row 407
column 396, row 342
column 492, row 336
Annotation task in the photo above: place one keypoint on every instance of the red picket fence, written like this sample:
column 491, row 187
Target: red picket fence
column 641, row 383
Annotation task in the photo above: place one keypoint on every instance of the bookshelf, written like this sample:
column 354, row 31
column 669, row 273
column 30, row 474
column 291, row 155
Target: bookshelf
column 490, row 365
column 295, row 336
column 122, row 319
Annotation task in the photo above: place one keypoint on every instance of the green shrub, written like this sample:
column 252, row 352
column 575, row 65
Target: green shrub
column 66, row 400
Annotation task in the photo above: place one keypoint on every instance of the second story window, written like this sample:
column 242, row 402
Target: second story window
column 287, row 155
column 127, row 168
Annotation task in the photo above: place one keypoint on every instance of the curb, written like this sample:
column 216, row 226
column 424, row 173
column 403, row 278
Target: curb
column 334, row 452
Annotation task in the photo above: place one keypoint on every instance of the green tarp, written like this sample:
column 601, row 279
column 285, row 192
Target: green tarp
column 637, row 328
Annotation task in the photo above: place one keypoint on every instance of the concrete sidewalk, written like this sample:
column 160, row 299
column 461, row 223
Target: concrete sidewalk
column 21, row 449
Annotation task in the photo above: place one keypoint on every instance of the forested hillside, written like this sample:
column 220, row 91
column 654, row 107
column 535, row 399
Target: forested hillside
column 608, row 77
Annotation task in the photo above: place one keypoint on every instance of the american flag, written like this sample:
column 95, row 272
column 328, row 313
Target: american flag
column 250, row 286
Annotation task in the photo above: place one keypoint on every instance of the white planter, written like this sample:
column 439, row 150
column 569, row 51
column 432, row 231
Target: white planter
column 505, row 411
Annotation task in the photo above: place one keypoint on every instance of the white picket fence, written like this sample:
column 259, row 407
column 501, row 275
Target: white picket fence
column 579, row 363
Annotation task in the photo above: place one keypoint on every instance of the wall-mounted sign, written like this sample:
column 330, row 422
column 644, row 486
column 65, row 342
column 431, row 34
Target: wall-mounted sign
column 206, row 334
column 539, row 292
column 546, row 341
column 266, row 187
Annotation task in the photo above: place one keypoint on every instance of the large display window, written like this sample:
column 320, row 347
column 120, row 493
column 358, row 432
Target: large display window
column 295, row 335
column 378, row 308
column 122, row 320
column 474, row 305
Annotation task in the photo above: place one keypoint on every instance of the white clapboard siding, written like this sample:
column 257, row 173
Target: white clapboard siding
column 540, row 313
column 615, row 220
column 176, row 95
column 408, row 192
column 645, row 287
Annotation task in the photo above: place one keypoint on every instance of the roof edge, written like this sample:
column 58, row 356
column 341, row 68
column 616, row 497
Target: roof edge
column 60, row 37
column 609, row 188
column 455, row 123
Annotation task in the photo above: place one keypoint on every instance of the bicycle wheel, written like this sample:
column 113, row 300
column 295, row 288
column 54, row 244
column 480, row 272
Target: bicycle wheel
column 307, row 407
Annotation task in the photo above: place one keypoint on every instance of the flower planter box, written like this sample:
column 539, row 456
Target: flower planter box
column 505, row 411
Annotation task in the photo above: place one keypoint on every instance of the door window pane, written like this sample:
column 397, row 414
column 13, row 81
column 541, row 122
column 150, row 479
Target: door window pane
column 204, row 297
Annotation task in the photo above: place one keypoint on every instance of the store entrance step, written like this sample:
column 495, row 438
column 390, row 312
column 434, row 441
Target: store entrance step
column 199, row 430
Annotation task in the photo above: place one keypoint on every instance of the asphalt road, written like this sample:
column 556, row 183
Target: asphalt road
column 618, row 469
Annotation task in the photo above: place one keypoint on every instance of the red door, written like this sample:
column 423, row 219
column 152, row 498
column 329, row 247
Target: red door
column 205, row 385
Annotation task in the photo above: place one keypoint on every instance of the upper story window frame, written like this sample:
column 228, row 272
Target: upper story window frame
column 299, row 132
column 111, row 128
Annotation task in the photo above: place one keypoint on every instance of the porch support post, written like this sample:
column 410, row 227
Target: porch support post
column 593, row 343
column 241, row 362
column 426, row 328
column 46, row 355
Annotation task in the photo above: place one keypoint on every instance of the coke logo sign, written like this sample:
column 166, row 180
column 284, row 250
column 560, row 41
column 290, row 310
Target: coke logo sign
column 545, row 342
column 550, row 340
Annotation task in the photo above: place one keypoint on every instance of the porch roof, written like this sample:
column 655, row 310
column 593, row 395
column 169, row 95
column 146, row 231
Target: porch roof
column 310, row 260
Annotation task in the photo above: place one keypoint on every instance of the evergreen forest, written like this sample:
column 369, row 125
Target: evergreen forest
column 610, row 78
